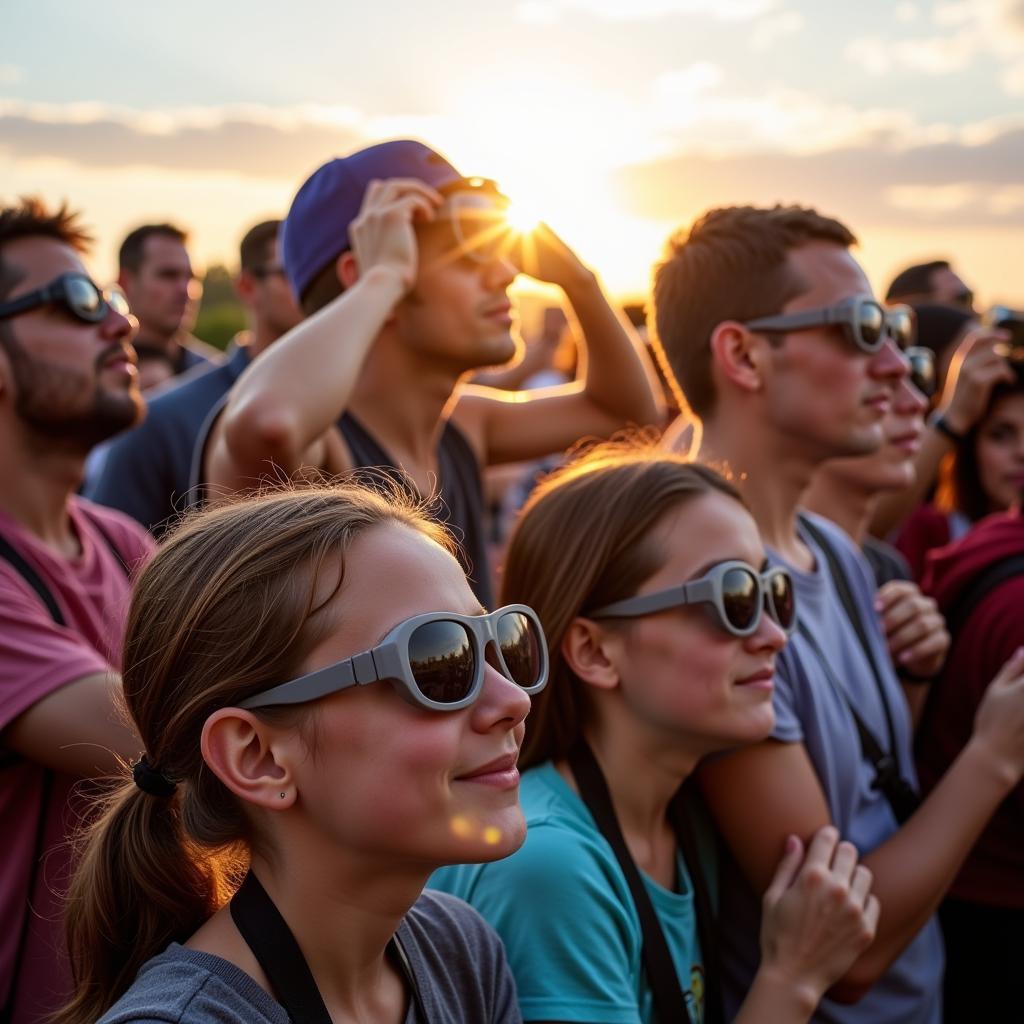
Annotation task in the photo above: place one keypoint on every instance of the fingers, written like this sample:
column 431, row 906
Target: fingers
column 928, row 655
column 787, row 870
column 871, row 911
column 844, row 862
column 822, row 848
column 382, row 192
column 860, row 885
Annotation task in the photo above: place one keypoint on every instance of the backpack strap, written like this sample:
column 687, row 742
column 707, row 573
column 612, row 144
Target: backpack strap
column 889, row 778
column 10, row 554
column 979, row 588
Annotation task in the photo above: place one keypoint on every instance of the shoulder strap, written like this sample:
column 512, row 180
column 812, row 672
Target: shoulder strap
column 667, row 993
column 10, row 554
column 889, row 779
column 979, row 588
column 272, row 943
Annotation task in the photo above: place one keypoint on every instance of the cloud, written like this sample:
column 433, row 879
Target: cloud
column 11, row 74
column 254, row 142
column 546, row 11
column 768, row 31
column 960, row 182
column 964, row 31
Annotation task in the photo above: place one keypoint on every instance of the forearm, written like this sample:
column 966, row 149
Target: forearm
column 620, row 378
column 777, row 999
column 297, row 389
column 892, row 509
column 916, row 866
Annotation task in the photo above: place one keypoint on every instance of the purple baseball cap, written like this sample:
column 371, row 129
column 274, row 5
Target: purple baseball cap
column 315, row 232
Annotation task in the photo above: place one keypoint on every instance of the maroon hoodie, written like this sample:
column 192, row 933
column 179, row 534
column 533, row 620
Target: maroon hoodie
column 994, row 871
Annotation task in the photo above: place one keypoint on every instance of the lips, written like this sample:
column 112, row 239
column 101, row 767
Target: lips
column 499, row 767
column 762, row 679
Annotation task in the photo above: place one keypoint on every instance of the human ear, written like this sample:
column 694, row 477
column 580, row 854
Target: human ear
column 250, row 757
column 590, row 651
column 347, row 269
column 738, row 356
column 245, row 287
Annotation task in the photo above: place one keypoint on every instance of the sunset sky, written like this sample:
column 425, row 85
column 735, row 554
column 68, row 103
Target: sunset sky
column 616, row 120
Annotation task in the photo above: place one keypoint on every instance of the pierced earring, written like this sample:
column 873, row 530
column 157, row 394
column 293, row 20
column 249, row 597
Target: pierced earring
column 283, row 794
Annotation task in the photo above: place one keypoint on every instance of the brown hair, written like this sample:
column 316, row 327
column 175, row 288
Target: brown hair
column 133, row 249
column 227, row 607
column 253, row 249
column 731, row 265
column 584, row 539
column 30, row 219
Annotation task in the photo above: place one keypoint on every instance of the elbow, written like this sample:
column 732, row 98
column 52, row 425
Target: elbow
column 255, row 433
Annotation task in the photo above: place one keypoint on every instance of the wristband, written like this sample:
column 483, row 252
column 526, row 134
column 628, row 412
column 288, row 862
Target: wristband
column 938, row 422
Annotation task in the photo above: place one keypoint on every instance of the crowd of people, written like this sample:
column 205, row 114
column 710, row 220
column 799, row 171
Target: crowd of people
column 757, row 565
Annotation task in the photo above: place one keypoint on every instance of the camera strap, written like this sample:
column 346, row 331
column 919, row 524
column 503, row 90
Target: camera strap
column 889, row 779
column 666, row 992
column 272, row 943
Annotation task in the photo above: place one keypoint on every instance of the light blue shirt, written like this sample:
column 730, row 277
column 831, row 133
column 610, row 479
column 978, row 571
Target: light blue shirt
column 562, row 906
column 808, row 710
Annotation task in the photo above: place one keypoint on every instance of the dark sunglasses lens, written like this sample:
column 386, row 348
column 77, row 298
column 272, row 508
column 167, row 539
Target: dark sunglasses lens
column 520, row 647
column 84, row 298
column 740, row 593
column 900, row 325
column 922, row 370
column 872, row 322
column 783, row 599
column 442, row 660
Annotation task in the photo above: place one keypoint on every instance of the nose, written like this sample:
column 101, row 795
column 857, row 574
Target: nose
column 909, row 401
column 499, row 273
column 502, row 704
column 118, row 326
column 889, row 363
column 769, row 636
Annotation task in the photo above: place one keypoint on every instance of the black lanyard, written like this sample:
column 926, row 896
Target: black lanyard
column 272, row 943
column 666, row 992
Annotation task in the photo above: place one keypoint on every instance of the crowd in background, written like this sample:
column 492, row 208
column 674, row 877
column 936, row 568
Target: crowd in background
column 754, row 555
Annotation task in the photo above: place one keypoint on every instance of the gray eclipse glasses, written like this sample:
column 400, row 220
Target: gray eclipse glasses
column 436, row 661
column 866, row 323
column 737, row 592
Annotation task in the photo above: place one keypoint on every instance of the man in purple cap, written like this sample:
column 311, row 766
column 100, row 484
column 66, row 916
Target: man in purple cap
column 402, row 268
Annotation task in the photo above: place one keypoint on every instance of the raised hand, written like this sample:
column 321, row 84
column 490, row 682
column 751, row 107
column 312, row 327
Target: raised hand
column 383, row 234
column 977, row 366
column 545, row 257
column 999, row 722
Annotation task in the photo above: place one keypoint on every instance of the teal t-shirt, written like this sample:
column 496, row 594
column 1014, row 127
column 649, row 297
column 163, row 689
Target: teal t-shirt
column 562, row 906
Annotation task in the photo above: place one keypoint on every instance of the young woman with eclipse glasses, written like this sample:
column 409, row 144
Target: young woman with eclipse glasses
column 328, row 715
column 663, row 622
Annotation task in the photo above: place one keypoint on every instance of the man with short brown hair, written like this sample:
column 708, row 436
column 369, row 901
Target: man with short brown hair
column 156, row 275
column 769, row 324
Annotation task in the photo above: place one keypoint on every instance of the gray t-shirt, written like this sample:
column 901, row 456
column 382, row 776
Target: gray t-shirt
column 456, row 958
column 808, row 710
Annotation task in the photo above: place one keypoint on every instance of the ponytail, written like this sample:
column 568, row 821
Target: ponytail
column 138, row 887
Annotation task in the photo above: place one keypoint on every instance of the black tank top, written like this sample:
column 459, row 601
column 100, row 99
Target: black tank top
column 460, row 496
column 459, row 502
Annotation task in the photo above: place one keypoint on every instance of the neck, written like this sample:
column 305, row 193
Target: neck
column 408, row 429
column 259, row 338
column 842, row 501
column 35, row 484
column 643, row 773
column 343, row 921
column 166, row 342
column 769, row 473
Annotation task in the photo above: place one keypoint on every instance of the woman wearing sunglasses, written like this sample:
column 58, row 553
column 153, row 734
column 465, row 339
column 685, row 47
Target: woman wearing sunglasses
column 327, row 716
column 663, row 624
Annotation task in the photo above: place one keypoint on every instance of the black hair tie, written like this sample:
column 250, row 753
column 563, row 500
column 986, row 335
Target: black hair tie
column 151, row 781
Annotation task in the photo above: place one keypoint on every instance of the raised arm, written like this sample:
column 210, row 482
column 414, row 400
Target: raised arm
column 763, row 794
column 618, row 387
column 282, row 411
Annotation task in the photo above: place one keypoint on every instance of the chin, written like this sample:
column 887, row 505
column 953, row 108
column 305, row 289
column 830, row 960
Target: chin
column 482, row 838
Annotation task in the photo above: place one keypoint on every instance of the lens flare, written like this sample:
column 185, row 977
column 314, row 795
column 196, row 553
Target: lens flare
column 522, row 218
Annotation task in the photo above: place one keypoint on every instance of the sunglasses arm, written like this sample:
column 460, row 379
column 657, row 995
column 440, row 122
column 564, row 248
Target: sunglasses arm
column 646, row 604
column 359, row 670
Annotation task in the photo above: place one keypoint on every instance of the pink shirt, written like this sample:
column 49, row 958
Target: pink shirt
column 37, row 657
